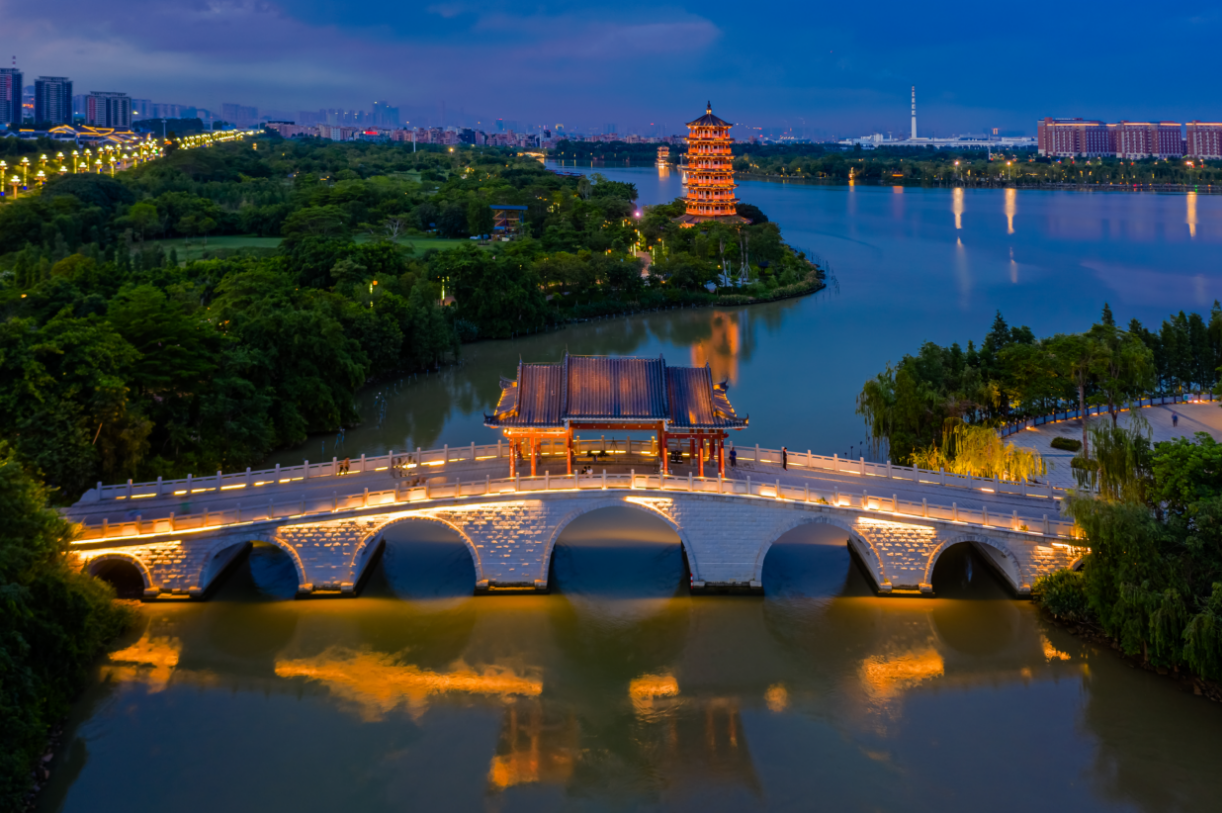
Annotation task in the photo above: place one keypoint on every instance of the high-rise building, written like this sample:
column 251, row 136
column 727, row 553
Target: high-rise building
column 1143, row 139
column 107, row 109
column 238, row 114
column 1204, row 140
column 53, row 100
column 11, row 90
column 1066, row 138
column 384, row 115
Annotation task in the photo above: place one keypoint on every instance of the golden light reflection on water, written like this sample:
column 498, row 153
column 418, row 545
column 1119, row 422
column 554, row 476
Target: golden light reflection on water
column 1011, row 209
column 722, row 349
column 647, row 688
column 533, row 748
column 376, row 683
column 885, row 677
column 956, row 206
column 1192, row 214
column 150, row 660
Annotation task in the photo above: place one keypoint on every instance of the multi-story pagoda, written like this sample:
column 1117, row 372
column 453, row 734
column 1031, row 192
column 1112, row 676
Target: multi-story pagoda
column 710, row 174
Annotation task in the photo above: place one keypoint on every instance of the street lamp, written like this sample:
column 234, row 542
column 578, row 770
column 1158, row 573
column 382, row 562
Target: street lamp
column 15, row 182
column 25, row 170
column 41, row 177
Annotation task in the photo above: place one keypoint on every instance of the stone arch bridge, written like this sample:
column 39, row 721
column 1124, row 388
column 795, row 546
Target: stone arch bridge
column 511, row 529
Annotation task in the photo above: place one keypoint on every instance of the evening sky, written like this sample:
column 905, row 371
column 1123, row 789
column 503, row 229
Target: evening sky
column 830, row 68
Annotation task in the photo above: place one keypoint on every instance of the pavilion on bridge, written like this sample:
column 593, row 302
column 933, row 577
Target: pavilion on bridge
column 599, row 393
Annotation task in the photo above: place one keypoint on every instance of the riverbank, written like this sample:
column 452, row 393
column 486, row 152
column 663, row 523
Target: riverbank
column 1092, row 633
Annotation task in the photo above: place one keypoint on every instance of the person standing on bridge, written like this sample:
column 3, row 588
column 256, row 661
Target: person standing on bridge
column 785, row 458
column 733, row 457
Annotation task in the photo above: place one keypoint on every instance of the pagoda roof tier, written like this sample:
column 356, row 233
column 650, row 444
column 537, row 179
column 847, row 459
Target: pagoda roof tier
column 708, row 119
column 627, row 392
column 689, row 220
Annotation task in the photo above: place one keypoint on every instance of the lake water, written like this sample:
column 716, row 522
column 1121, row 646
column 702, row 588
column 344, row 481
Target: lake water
column 619, row 691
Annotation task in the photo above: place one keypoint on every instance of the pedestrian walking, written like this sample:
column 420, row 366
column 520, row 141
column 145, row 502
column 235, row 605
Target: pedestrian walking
column 344, row 468
column 1175, row 419
column 733, row 457
column 785, row 458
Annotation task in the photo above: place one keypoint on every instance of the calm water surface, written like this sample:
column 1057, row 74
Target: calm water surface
column 621, row 692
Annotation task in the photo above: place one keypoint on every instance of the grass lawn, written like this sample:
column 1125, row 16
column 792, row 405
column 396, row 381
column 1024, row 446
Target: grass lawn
column 196, row 250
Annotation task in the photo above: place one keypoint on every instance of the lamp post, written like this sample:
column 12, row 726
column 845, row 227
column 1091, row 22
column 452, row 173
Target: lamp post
column 25, row 170
column 16, row 183
column 76, row 161
column 41, row 177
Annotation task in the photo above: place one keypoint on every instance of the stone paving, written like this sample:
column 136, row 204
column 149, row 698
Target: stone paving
column 1193, row 418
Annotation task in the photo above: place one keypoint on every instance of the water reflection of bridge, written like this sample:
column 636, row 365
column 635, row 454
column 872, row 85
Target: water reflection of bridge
column 677, row 721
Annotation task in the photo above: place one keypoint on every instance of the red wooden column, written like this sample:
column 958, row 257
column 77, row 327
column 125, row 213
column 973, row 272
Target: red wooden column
column 568, row 448
column 721, row 457
column 534, row 455
column 513, row 456
column 662, row 450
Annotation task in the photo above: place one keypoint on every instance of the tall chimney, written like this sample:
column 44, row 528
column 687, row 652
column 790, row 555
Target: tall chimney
column 914, row 135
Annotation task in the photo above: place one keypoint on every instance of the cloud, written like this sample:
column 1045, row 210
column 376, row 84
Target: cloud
column 198, row 51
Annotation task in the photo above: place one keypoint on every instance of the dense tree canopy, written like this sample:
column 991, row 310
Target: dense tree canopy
column 119, row 360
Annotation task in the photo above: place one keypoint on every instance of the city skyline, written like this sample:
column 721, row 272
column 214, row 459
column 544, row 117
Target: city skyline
column 822, row 74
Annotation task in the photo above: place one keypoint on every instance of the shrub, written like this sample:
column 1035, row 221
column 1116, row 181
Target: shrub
column 53, row 623
column 1066, row 444
column 1063, row 595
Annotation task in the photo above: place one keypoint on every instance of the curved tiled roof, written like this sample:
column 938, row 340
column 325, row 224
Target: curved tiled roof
column 708, row 119
column 586, row 389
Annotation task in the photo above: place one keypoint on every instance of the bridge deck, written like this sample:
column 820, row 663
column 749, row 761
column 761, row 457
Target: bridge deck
column 138, row 509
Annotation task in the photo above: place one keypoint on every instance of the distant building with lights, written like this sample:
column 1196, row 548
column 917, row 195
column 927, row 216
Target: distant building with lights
column 11, row 91
column 53, row 100
column 1203, row 140
column 1133, row 140
column 106, row 109
column 710, row 174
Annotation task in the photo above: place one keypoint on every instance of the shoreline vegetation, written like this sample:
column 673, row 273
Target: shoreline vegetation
column 126, row 359
column 903, row 166
column 1151, row 512
column 198, row 312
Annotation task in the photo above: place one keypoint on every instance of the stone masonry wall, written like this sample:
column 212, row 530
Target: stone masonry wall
column 511, row 541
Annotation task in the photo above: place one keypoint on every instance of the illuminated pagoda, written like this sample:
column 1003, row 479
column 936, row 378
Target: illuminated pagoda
column 710, row 174
column 548, row 403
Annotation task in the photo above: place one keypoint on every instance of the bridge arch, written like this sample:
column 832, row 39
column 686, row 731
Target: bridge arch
column 865, row 548
column 274, row 539
column 1009, row 564
column 96, row 567
column 620, row 502
column 360, row 557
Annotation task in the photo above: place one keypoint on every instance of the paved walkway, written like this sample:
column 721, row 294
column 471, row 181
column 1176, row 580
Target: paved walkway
column 1193, row 418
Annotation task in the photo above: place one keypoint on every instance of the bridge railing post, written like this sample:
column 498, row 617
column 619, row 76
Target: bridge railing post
column 158, row 485
column 277, row 480
column 757, row 454
column 472, row 451
column 305, row 470
column 748, row 485
column 129, row 488
column 362, row 464
column 924, row 507
column 835, row 462
column 445, row 455
column 99, row 490
column 1047, row 529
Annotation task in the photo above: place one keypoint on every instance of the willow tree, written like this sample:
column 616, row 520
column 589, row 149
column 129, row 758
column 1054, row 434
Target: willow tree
column 978, row 451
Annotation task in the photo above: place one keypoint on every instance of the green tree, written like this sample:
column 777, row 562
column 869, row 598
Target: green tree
column 53, row 624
